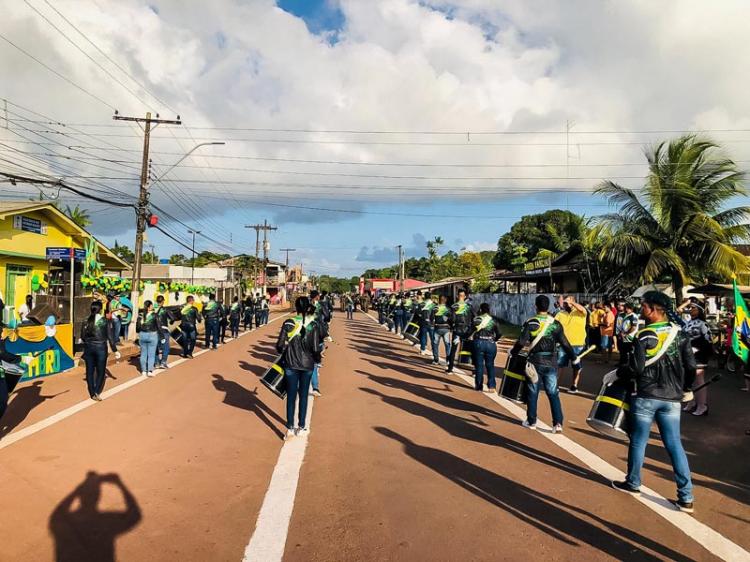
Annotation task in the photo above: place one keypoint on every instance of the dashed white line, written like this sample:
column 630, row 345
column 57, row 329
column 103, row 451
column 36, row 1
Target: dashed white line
column 711, row 540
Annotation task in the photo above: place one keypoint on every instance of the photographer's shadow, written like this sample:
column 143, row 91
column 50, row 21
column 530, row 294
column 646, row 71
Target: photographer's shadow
column 83, row 532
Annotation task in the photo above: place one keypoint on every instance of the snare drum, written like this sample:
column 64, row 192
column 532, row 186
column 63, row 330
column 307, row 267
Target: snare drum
column 412, row 331
column 466, row 353
column 274, row 378
column 177, row 335
column 609, row 414
column 513, row 385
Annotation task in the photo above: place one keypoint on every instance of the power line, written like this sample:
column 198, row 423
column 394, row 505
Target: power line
column 56, row 73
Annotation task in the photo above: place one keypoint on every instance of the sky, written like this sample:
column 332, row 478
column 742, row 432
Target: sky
column 357, row 125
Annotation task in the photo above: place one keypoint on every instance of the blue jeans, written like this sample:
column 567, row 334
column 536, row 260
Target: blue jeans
column 485, row 352
column 116, row 328
column 350, row 312
column 297, row 383
column 643, row 412
column 148, row 341
column 426, row 333
column 162, row 347
column 315, row 380
column 441, row 335
column 547, row 379
column 212, row 332
column 266, row 314
column 234, row 326
column 398, row 321
column 190, row 337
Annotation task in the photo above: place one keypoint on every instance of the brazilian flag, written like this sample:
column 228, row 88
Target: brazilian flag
column 741, row 332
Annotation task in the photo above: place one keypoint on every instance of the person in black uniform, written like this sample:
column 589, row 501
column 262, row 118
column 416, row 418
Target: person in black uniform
column 426, row 313
column 486, row 334
column 223, row 321
column 5, row 384
column 442, row 331
column 663, row 367
column 248, row 313
column 190, row 318
column 97, row 331
column 235, row 312
column 462, row 320
column 212, row 314
column 547, row 335
column 300, row 341
column 162, row 348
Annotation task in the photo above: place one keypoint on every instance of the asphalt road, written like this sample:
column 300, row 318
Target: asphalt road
column 403, row 462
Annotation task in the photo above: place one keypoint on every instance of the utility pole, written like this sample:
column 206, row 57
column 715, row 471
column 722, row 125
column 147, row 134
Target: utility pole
column 400, row 268
column 287, row 250
column 265, row 227
column 192, row 262
column 140, row 223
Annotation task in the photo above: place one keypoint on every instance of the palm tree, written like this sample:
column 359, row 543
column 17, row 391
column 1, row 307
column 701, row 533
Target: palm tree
column 79, row 216
column 678, row 226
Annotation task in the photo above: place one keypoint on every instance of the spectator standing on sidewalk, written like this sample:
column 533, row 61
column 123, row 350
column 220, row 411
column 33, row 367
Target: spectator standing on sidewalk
column 606, row 330
column 663, row 367
column 572, row 317
column 149, row 329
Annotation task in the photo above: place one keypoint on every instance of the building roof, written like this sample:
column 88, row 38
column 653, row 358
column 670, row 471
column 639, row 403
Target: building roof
column 9, row 208
column 448, row 281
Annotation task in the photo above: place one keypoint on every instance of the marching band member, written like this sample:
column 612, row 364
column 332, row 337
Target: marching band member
column 486, row 334
column 190, row 317
column 462, row 319
column 97, row 331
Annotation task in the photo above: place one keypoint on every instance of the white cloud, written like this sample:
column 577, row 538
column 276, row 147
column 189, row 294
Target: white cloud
column 397, row 65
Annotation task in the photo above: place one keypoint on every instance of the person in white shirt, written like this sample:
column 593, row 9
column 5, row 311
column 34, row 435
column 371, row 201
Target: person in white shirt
column 25, row 309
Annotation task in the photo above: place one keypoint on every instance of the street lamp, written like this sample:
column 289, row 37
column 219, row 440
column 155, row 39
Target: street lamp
column 196, row 147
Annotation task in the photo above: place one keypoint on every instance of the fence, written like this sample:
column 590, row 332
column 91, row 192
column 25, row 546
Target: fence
column 517, row 308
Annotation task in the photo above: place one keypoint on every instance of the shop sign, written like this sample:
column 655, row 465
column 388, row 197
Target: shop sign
column 28, row 224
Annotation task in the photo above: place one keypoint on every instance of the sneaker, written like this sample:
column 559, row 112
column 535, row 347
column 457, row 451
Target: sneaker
column 150, row 374
column 424, row 352
column 557, row 428
column 96, row 397
column 190, row 355
column 435, row 362
column 449, row 371
column 573, row 389
column 144, row 373
column 302, row 431
column 290, row 432
column 685, row 507
column 625, row 487
column 528, row 425
column 490, row 390
column 316, row 393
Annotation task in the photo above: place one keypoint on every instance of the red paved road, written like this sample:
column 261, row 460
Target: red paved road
column 403, row 463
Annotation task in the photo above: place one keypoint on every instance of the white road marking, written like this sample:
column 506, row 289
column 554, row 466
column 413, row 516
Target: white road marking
column 272, row 527
column 16, row 436
column 711, row 540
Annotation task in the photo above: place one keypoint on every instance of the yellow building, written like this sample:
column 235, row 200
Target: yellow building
column 27, row 230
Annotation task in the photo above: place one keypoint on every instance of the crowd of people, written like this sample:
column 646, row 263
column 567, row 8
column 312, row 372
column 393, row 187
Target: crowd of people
column 663, row 354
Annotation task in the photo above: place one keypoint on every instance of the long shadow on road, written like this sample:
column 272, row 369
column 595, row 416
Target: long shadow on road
column 470, row 430
column 557, row 519
column 238, row 396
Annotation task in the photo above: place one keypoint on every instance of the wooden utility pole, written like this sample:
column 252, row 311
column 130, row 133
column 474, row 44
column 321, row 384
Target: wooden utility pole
column 141, row 209
column 287, row 250
column 265, row 227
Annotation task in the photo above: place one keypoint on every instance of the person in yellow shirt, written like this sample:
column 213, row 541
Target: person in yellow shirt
column 606, row 329
column 573, row 317
column 595, row 319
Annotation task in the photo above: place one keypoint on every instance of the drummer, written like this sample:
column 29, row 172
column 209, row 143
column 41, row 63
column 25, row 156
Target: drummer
column 13, row 359
column 543, row 355
column 663, row 366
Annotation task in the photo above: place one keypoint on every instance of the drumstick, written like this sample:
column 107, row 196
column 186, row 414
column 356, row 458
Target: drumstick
column 713, row 379
column 587, row 351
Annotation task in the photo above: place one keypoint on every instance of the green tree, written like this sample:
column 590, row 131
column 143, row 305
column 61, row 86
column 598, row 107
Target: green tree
column 150, row 257
column 554, row 230
column 433, row 249
column 79, row 216
column 679, row 227
column 123, row 252
column 177, row 259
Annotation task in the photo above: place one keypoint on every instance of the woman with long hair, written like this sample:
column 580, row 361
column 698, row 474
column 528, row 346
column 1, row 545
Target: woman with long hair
column 148, row 327
column 700, row 339
column 97, row 331
column 300, row 343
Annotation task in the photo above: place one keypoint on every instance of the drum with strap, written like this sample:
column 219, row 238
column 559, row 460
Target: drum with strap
column 466, row 353
column 177, row 335
column 513, row 385
column 274, row 378
column 412, row 330
column 609, row 414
